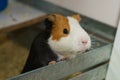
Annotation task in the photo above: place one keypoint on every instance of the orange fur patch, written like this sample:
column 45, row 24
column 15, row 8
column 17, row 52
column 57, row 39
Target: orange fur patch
column 77, row 17
column 59, row 24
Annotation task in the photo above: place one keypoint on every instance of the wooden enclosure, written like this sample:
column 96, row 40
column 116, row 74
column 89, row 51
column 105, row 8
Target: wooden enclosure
column 91, row 65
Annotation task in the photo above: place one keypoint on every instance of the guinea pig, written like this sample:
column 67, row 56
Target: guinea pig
column 63, row 38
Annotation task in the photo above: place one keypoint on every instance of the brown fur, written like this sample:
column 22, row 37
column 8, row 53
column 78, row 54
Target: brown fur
column 77, row 17
column 59, row 24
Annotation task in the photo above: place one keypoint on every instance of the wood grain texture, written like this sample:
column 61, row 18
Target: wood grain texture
column 65, row 68
column 98, row 73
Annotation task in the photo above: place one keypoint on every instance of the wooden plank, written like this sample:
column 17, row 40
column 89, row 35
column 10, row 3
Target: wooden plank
column 18, row 15
column 98, row 73
column 22, row 24
column 65, row 68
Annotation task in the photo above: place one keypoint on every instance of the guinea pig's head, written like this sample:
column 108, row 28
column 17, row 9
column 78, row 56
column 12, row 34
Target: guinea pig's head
column 66, row 34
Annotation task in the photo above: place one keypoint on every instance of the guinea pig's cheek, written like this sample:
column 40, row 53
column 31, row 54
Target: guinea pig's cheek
column 56, row 36
column 77, row 46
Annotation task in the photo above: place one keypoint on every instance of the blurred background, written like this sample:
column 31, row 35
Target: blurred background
column 106, row 11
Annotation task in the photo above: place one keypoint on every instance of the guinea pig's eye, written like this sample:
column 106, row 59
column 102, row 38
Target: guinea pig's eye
column 65, row 31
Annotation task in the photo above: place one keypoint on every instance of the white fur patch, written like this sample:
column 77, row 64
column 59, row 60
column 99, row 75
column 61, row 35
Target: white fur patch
column 67, row 47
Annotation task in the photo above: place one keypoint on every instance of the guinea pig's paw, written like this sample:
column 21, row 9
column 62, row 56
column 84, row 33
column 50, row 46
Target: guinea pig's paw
column 52, row 62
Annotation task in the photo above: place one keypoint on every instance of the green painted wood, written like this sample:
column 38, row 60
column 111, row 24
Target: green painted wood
column 89, row 24
column 64, row 68
column 98, row 73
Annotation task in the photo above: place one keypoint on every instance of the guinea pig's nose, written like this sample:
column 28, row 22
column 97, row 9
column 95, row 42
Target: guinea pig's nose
column 84, row 42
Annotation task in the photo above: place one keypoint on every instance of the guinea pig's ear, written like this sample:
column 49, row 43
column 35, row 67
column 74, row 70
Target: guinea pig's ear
column 49, row 21
column 52, row 17
column 77, row 17
column 48, row 24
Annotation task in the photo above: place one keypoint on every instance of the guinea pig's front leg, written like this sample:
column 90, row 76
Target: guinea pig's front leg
column 51, row 62
column 54, row 62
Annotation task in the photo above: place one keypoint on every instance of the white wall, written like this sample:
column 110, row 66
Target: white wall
column 114, row 67
column 106, row 11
